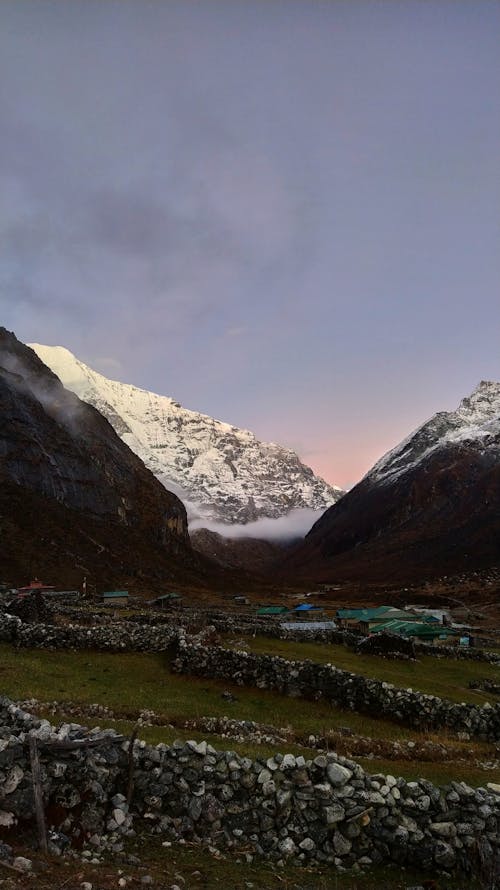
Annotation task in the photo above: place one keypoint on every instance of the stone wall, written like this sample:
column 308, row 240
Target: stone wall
column 324, row 810
column 342, row 688
column 137, row 628
column 117, row 637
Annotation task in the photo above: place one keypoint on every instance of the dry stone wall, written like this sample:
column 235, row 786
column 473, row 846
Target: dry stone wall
column 342, row 688
column 118, row 637
column 326, row 810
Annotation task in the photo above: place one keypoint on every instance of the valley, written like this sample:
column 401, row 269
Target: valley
column 219, row 685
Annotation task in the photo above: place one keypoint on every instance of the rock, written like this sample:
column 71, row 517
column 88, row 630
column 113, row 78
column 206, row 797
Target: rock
column 341, row 844
column 119, row 816
column 337, row 774
column 14, row 778
column 288, row 762
column 443, row 829
column 444, row 855
column 334, row 813
column 287, row 847
column 22, row 863
column 492, row 786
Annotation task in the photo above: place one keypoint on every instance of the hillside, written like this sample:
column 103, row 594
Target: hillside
column 429, row 507
column 74, row 498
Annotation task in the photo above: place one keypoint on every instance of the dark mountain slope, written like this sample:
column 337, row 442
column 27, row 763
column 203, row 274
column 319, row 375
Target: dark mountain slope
column 429, row 507
column 60, row 458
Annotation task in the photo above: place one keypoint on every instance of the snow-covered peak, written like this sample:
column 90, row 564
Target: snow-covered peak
column 476, row 420
column 221, row 472
column 483, row 405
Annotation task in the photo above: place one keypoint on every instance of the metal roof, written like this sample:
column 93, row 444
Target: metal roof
column 306, row 607
column 109, row 594
column 410, row 628
column 364, row 614
column 308, row 625
column 272, row 610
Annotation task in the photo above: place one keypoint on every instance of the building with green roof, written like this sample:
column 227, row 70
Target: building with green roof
column 272, row 610
column 421, row 629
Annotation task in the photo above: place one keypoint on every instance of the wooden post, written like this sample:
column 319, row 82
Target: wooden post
column 37, row 791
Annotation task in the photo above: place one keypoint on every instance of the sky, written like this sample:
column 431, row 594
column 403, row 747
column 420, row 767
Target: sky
column 282, row 214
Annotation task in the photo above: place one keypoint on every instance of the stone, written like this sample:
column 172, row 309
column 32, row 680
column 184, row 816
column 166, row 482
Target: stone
column 14, row 778
column 341, row 844
column 443, row 829
column 337, row 774
column 288, row 762
column 492, row 786
column 22, row 863
column 195, row 808
column 119, row 816
column 444, row 855
column 334, row 813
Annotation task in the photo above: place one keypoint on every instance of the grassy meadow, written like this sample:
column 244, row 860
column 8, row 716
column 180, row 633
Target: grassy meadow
column 445, row 677
column 130, row 682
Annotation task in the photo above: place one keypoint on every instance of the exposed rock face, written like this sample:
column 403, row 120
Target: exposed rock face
column 224, row 473
column 430, row 506
column 64, row 462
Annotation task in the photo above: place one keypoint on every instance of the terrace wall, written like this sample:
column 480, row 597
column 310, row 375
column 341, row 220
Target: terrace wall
column 324, row 810
column 342, row 688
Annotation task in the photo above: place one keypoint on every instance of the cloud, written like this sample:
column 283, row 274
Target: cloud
column 294, row 525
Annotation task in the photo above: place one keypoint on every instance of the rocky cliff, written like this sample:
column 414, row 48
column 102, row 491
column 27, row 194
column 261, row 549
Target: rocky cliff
column 62, row 461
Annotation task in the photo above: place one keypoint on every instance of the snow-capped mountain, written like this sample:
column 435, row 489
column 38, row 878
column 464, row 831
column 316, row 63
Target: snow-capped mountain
column 221, row 472
column 476, row 421
column 428, row 507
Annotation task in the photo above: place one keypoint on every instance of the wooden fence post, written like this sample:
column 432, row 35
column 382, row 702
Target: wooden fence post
column 37, row 791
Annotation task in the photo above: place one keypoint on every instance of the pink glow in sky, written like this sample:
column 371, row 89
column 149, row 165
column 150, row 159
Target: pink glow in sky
column 284, row 215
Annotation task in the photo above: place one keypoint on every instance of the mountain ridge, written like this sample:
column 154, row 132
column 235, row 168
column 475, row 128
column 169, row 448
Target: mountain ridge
column 430, row 506
column 221, row 472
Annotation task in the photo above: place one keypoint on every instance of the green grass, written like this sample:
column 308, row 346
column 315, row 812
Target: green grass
column 130, row 682
column 445, row 677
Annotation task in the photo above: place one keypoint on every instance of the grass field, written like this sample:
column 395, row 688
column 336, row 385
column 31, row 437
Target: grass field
column 445, row 677
column 130, row 682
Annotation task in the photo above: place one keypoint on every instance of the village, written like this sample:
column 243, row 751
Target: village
column 313, row 612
